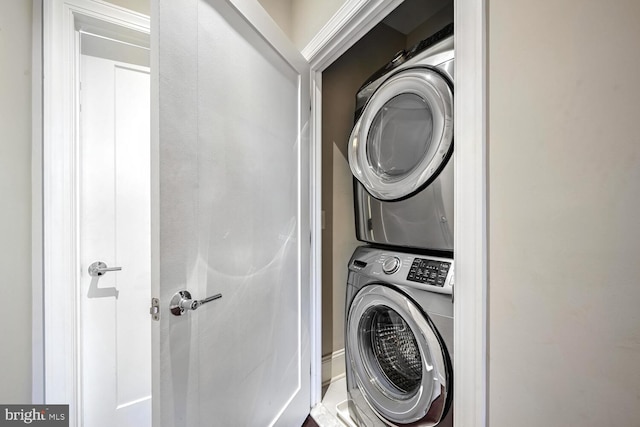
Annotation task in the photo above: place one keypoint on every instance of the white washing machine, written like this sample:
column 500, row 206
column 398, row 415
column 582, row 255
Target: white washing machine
column 401, row 147
column 399, row 339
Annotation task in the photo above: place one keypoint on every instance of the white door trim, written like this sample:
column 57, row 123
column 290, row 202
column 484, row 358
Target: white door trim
column 349, row 24
column 59, row 189
column 352, row 21
column 470, row 310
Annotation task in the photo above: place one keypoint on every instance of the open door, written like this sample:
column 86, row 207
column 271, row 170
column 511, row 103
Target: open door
column 230, row 216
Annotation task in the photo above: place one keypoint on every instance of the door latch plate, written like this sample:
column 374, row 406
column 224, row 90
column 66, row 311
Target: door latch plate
column 155, row 309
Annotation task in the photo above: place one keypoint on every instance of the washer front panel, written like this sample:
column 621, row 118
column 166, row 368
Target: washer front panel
column 397, row 358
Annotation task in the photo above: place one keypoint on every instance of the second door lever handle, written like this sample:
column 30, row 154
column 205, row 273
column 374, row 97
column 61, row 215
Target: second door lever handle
column 99, row 268
column 182, row 302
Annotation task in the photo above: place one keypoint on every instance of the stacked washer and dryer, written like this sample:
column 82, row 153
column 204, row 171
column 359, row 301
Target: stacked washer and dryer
column 399, row 307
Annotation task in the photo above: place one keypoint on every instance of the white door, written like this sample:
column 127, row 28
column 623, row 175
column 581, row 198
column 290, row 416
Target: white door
column 114, row 213
column 231, row 216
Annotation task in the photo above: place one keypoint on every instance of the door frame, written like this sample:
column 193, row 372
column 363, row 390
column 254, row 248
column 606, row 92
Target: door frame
column 56, row 319
column 352, row 21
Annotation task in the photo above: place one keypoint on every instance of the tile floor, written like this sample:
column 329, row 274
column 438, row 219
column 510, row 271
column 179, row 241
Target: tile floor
column 327, row 413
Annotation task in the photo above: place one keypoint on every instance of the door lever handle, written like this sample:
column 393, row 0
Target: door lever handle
column 182, row 302
column 99, row 268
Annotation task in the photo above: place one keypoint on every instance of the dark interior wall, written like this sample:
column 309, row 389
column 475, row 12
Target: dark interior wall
column 436, row 22
column 340, row 82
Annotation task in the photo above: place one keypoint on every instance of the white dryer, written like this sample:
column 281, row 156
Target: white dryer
column 401, row 147
column 399, row 339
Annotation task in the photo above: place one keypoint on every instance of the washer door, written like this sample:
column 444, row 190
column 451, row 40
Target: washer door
column 398, row 359
column 404, row 136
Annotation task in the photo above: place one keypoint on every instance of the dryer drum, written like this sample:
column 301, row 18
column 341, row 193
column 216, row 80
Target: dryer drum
column 400, row 136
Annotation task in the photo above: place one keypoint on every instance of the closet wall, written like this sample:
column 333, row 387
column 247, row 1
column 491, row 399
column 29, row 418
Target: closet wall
column 340, row 83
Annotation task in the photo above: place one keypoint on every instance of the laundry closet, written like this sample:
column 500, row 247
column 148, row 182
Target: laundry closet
column 410, row 23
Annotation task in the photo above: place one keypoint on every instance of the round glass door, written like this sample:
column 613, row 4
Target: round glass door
column 400, row 136
column 390, row 351
column 404, row 135
column 397, row 357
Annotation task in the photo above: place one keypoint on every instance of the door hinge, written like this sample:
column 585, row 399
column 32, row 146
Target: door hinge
column 155, row 309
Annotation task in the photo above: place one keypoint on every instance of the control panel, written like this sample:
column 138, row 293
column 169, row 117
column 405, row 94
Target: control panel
column 429, row 271
column 419, row 271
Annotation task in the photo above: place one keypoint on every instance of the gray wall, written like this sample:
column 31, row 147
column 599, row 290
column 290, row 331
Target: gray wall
column 564, row 209
column 281, row 12
column 15, row 192
column 309, row 16
column 140, row 6
column 301, row 20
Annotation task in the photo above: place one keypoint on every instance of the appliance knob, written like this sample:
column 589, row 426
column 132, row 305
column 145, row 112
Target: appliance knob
column 391, row 265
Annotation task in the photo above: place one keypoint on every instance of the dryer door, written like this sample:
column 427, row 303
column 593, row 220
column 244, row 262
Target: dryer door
column 398, row 358
column 404, row 136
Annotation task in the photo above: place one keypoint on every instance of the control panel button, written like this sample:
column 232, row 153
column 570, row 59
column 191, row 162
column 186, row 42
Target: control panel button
column 391, row 265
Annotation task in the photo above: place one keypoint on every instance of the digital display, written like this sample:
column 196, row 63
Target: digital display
column 429, row 271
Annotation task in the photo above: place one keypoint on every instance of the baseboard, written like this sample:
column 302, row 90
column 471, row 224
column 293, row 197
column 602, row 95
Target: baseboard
column 333, row 367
